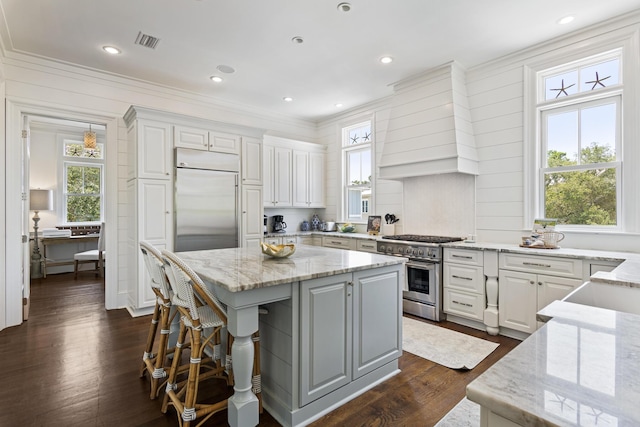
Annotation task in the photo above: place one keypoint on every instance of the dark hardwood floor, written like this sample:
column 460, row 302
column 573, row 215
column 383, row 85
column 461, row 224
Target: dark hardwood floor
column 75, row 364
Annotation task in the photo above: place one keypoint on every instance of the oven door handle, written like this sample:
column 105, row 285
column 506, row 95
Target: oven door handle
column 422, row 265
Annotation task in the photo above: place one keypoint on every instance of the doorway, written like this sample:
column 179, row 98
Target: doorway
column 18, row 219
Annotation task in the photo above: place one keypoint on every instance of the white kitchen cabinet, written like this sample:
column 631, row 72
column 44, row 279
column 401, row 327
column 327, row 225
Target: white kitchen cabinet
column 349, row 326
column 252, row 220
column 523, row 291
column 203, row 139
column 149, row 150
column 276, row 181
column 308, row 179
column 464, row 283
column 310, row 240
column 339, row 242
column 150, row 219
column 251, row 161
column 149, row 198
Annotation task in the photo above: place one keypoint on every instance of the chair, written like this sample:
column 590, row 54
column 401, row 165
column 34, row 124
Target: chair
column 156, row 365
column 204, row 318
column 95, row 256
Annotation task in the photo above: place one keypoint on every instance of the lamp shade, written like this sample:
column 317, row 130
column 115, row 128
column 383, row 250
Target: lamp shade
column 41, row 200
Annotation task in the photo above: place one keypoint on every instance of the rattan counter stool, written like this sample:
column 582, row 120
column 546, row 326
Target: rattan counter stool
column 204, row 318
column 157, row 365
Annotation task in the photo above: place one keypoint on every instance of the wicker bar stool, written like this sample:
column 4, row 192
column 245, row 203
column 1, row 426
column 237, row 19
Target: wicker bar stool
column 157, row 365
column 204, row 318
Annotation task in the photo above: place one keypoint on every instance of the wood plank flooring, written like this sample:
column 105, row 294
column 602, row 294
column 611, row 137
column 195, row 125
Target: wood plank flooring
column 73, row 363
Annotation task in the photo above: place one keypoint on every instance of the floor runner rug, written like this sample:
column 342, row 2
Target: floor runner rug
column 452, row 349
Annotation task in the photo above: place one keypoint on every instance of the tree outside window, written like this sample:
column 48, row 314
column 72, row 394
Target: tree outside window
column 83, row 183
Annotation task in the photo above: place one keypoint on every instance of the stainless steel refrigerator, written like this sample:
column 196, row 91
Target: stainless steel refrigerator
column 206, row 200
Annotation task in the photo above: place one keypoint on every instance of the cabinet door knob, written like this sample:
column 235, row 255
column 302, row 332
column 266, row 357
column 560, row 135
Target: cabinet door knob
column 532, row 282
column 539, row 283
column 167, row 212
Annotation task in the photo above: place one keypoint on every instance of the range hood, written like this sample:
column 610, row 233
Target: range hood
column 429, row 130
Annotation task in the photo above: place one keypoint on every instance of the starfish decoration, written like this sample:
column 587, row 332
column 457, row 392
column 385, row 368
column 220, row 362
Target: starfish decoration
column 367, row 136
column 563, row 89
column 598, row 81
column 75, row 151
column 354, row 139
column 91, row 153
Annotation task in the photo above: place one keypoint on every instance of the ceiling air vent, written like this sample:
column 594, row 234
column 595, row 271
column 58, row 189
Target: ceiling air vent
column 146, row 40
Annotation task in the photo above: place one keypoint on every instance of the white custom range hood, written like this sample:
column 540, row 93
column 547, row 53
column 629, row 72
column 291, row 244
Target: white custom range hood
column 429, row 129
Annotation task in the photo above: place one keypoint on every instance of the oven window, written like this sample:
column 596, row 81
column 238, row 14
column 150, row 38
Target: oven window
column 419, row 280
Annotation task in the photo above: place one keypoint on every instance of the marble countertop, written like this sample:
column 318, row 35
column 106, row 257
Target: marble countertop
column 240, row 269
column 581, row 368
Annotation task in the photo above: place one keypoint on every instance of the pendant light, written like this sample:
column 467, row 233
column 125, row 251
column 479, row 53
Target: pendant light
column 89, row 139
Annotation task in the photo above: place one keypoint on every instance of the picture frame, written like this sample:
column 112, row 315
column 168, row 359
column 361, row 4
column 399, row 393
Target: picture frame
column 540, row 225
column 373, row 224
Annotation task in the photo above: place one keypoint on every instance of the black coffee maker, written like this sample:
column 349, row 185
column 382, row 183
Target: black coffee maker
column 278, row 224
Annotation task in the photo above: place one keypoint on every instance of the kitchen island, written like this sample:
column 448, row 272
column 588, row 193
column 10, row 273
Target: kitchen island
column 333, row 328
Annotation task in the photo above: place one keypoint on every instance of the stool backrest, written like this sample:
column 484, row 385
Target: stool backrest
column 155, row 266
column 188, row 289
column 101, row 238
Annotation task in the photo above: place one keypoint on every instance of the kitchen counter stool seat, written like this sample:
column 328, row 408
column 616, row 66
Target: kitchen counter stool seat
column 157, row 365
column 204, row 318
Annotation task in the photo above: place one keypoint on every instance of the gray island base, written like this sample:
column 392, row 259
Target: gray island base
column 333, row 328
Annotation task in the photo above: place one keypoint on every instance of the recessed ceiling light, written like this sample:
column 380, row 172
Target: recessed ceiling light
column 216, row 79
column 297, row 40
column 344, row 7
column 287, row 99
column 225, row 69
column 565, row 20
column 339, row 105
column 386, row 59
column 112, row 50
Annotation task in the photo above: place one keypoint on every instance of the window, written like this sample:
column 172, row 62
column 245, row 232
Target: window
column 357, row 166
column 82, row 182
column 579, row 112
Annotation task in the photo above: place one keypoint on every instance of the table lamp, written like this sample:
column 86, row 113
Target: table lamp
column 39, row 200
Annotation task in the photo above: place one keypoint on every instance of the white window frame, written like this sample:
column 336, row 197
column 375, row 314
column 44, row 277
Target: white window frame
column 66, row 161
column 627, row 42
column 345, row 149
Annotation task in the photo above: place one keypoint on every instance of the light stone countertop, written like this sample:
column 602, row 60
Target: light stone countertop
column 240, row 269
column 581, row 368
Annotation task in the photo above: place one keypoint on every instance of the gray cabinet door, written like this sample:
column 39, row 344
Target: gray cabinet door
column 377, row 311
column 325, row 336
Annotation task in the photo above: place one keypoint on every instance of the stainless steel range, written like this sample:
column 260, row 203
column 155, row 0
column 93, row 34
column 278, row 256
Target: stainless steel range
column 423, row 292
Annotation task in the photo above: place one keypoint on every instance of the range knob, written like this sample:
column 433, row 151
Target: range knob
column 381, row 248
column 420, row 252
column 390, row 249
column 400, row 250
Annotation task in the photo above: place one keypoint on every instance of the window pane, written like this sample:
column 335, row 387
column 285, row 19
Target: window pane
column 598, row 134
column 581, row 197
column 359, row 167
column 562, row 139
column 354, row 203
column 600, row 75
column 561, row 85
column 83, row 208
column 83, row 180
column 359, row 135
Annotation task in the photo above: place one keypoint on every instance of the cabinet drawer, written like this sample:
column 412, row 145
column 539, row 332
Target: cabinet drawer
column 289, row 239
column 272, row 240
column 338, row 242
column 564, row 267
column 463, row 256
column 464, row 304
column 366, row 245
column 464, row 277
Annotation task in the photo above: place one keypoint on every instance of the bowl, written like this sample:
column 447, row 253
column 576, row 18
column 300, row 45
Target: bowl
column 348, row 228
column 278, row 251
